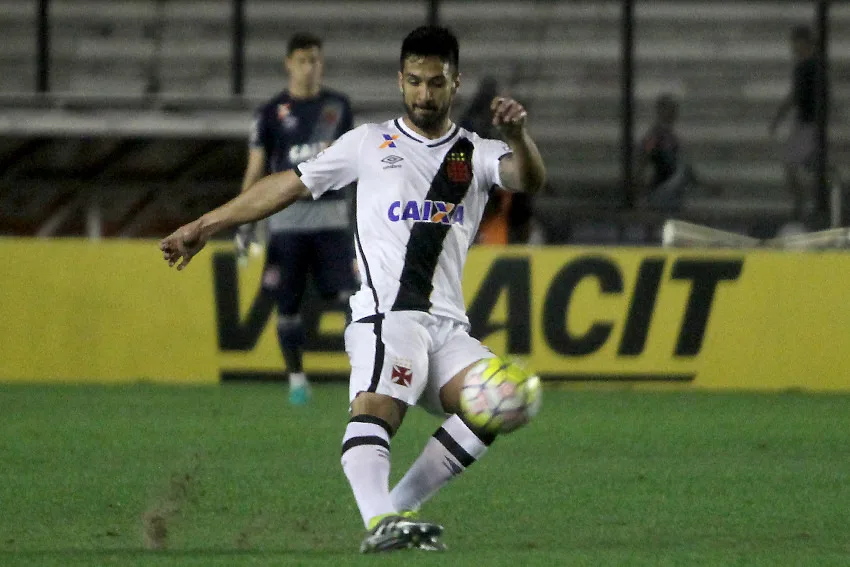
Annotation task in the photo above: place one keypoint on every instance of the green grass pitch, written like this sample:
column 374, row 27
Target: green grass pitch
column 236, row 476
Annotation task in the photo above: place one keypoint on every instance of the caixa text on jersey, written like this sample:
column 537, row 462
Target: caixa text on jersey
column 426, row 211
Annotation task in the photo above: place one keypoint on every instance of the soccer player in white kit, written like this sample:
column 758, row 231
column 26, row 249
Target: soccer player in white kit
column 422, row 183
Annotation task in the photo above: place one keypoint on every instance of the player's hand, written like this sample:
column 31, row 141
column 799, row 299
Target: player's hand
column 245, row 236
column 182, row 244
column 509, row 117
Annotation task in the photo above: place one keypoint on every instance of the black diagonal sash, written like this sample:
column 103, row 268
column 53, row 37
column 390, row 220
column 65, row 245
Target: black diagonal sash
column 425, row 245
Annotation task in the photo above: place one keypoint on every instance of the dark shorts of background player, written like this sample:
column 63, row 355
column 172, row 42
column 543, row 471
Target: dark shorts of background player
column 328, row 255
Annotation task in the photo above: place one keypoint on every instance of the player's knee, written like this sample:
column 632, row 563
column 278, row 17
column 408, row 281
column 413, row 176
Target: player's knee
column 479, row 421
column 450, row 400
column 381, row 406
column 450, row 392
column 290, row 330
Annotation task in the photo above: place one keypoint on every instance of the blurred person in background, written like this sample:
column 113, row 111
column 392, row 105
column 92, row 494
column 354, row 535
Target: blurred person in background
column 310, row 236
column 664, row 174
column 508, row 216
column 477, row 116
column 509, row 219
column 494, row 229
column 801, row 146
column 523, row 228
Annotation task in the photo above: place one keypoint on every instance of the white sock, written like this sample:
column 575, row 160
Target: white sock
column 451, row 449
column 366, row 462
column 297, row 379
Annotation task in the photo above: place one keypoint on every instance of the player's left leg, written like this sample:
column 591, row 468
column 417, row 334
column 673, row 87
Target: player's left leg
column 389, row 371
column 285, row 277
column 455, row 445
column 800, row 152
column 329, row 256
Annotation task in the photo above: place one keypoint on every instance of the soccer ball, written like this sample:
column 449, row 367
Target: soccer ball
column 499, row 396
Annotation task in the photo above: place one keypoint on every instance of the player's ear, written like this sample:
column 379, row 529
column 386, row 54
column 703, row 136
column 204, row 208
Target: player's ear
column 400, row 82
column 456, row 83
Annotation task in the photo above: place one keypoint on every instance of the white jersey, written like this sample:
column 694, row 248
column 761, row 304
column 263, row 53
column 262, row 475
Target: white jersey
column 418, row 206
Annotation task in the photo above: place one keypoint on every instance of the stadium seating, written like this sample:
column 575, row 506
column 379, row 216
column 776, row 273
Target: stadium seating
column 727, row 61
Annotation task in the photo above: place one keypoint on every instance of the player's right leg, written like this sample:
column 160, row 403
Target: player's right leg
column 800, row 152
column 452, row 449
column 456, row 445
column 285, row 277
column 389, row 367
column 796, row 189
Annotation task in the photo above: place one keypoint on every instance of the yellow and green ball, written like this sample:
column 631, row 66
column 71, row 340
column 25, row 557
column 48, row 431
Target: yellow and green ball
column 498, row 396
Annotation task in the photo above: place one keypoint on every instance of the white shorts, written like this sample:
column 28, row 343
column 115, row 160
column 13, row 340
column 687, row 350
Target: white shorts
column 409, row 355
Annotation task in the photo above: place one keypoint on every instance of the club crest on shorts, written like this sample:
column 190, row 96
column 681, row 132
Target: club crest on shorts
column 458, row 168
column 402, row 374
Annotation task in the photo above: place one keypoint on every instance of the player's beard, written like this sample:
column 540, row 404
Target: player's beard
column 427, row 121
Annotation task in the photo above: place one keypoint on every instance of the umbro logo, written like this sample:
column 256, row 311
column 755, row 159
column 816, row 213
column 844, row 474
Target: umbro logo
column 453, row 468
column 392, row 161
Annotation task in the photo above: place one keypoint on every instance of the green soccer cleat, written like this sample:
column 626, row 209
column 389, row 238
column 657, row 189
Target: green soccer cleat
column 396, row 532
column 299, row 395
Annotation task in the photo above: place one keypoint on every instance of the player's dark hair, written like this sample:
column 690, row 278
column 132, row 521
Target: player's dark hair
column 802, row 33
column 302, row 40
column 427, row 41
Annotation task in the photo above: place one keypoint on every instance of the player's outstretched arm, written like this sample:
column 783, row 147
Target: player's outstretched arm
column 254, row 171
column 267, row 196
column 523, row 170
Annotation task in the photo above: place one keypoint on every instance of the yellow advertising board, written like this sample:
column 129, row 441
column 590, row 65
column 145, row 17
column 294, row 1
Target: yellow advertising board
column 712, row 319
column 79, row 311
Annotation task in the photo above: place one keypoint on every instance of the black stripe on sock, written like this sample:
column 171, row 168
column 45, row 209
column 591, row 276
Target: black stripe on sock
column 378, row 365
column 365, row 440
column 453, row 447
column 364, row 418
column 484, row 436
